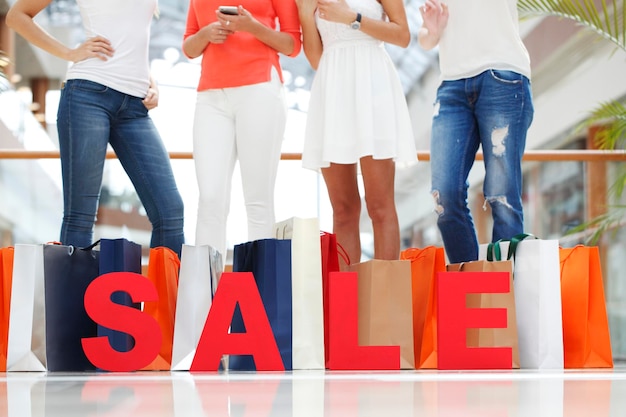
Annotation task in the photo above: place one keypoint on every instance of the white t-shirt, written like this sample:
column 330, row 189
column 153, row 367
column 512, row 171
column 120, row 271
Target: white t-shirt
column 126, row 23
column 481, row 35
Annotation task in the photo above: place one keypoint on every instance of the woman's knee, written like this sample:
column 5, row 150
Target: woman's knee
column 345, row 211
column 380, row 208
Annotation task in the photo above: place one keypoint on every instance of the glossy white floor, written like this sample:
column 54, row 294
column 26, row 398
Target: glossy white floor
column 580, row 393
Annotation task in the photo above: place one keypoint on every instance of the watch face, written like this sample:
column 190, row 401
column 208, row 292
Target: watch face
column 355, row 25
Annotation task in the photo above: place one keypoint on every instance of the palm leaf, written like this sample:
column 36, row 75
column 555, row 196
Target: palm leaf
column 606, row 19
column 597, row 227
column 611, row 115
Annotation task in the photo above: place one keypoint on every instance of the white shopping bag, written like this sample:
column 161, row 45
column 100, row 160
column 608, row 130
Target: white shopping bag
column 307, row 292
column 27, row 332
column 200, row 269
column 537, row 285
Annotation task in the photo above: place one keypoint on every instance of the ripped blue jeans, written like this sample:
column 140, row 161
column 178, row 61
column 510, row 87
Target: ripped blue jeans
column 494, row 110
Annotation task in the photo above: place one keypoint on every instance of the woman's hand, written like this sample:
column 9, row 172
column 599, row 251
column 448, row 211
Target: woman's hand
column 151, row 100
column 243, row 22
column 217, row 32
column 435, row 19
column 96, row 47
column 336, row 11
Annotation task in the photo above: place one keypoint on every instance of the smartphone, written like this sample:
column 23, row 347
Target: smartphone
column 231, row 10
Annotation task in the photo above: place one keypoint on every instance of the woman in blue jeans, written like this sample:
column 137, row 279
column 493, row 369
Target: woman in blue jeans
column 485, row 100
column 105, row 100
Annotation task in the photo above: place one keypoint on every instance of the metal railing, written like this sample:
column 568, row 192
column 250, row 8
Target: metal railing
column 530, row 155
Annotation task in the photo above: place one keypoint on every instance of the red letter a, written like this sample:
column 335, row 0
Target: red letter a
column 258, row 341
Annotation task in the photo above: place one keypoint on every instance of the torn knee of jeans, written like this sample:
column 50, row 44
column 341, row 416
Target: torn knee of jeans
column 438, row 206
column 498, row 137
column 436, row 107
column 497, row 200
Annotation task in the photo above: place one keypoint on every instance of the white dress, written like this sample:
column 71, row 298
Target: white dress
column 357, row 106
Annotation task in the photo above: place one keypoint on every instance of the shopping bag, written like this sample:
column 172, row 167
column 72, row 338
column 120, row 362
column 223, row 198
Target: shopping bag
column 536, row 281
column 163, row 268
column 119, row 255
column 425, row 264
column 385, row 306
column 269, row 260
column 6, row 274
column 330, row 263
column 26, row 349
column 68, row 271
column 307, row 293
column 330, row 253
column 586, row 339
column 488, row 336
column 200, row 269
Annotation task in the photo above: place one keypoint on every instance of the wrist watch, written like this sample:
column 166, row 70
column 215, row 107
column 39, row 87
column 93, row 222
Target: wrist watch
column 356, row 25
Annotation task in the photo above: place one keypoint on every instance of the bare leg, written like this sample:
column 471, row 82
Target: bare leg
column 379, row 178
column 343, row 191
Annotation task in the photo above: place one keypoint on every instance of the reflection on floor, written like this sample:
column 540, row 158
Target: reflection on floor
column 584, row 393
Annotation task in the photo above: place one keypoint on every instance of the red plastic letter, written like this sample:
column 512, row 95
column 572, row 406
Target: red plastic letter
column 258, row 341
column 344, row 350
column 143, row 328
column 454, row 318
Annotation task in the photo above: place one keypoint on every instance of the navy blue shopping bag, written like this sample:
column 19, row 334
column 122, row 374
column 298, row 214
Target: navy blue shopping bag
column 68, row 271
column 119, row 255
column 269, row 260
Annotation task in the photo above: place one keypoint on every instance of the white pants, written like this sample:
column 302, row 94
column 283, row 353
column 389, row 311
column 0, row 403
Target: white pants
column 245, row 123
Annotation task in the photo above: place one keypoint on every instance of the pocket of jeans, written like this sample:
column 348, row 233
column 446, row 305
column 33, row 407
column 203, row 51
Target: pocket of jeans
column 508, row 77
column 90, row 86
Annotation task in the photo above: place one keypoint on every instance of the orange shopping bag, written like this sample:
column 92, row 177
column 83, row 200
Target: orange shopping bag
column 425, row 263
column 6, row 274
column 163, row 268
column 586, row 339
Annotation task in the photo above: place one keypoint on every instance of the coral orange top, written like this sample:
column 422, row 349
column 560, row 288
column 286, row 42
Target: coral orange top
column 242, row 59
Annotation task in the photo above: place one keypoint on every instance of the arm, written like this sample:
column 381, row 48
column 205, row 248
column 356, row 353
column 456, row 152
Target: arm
column 20, row 19
column 311, row 41
column 197, row 38
column 280, row 41
column 435, row 18
column 394, row 31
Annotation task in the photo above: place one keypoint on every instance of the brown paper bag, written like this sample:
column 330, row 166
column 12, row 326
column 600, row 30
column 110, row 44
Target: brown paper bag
column 490, row 337
column 385, row 306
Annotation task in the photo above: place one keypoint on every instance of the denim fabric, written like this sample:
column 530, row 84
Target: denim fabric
column 493, row 110
column 91, row 116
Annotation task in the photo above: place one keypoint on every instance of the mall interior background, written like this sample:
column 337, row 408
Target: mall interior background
column 573, row 71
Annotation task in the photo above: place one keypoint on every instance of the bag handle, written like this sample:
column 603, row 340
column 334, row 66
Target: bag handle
column 494, row 252
column 343, row 253
column 515, row 240
column 71, row 248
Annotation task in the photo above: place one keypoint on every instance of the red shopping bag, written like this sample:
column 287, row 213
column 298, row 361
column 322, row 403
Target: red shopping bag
column 6, row 274
column 586, row 339
column 331, row 251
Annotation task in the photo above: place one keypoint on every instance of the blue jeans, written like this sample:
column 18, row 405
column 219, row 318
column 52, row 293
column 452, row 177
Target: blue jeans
column 91, row 116
column 493, row 110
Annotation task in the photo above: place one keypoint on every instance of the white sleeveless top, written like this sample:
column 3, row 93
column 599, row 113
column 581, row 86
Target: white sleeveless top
column 357, row 105
column 481, row 35
column 126, row 23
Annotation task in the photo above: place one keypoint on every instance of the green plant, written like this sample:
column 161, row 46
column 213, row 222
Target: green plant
column 607, row 19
